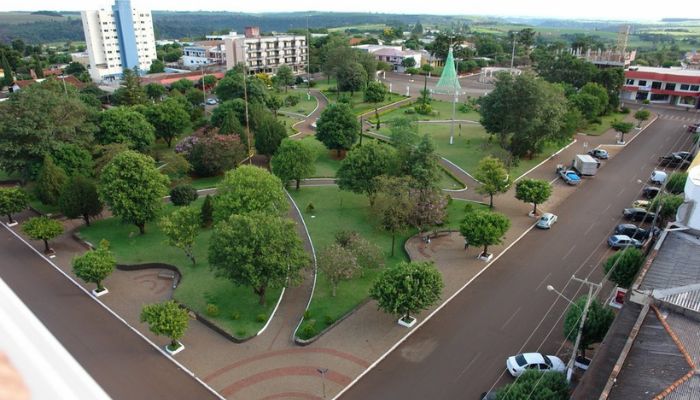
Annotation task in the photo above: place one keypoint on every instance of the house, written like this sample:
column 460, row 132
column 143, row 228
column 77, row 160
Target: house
column 66, row 79
column 393, row 55
column 675, row 86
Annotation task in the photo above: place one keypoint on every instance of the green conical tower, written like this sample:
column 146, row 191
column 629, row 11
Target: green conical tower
column 449, row 84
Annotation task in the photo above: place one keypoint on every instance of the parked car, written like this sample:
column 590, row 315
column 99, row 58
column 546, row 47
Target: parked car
column 658, row 177
column 569, row 176
column 686, row 155
column 638, row 214
column 623, row 241
column 211, row 102
column 642, row 203
column 693, row 128
column 674, row 161
column 650, row 192
column 546, row 221
column 599, row 153
column 520, row 363
column 488, row 395
column 632, row 231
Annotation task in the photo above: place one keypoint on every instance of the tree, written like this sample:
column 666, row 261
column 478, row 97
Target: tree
column 125, row 125
column 50, row 182
column 395, row 208
column 285, row 76
column 666, row 205
column 133, row 188
column 624, row 265
column 337, row 263
column 294, row 160
column 599, row 93
column 169, row 118
column 676, row 182
column 182, row 85
column 407, row 288
column 484, row 228
column 641, row 116
column 598, row 320
column 535, row 191
column 258, row 250
column 183, row 195
column 274, row 103
column 367, row 254
column 421, row 163
column 375, row 93
column 95, row 265
column 43, row 228
column 181, row 228
column 566, row 68
column 249, row 189
column 359, row 170
column 351, row 77
column 622, row 127
column 8, row 79
column 75, row 69
column 155, row 91
column 73, row 159
column 209, row 81
column 212, row 155
column 130, row 93
column 167, row 319
column 12, row 200
column 207, row 212
column 536, row 385
column 337, row 128
column 368, row 63
column 79, row 198
column 157, row 66
column 268, row 136
column 589, row 105
column 428, row 208
column 408, row 62
column 493, row 176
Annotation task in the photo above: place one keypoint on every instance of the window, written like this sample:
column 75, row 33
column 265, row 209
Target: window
column 670, row 86
column 685, row 86
column 642, row 83
column 695, row 88
column 656, row 85
column 659, row 97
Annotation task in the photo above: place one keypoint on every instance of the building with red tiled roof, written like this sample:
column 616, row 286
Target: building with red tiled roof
column 67, row 79
column 167, row 79
column 675, row 86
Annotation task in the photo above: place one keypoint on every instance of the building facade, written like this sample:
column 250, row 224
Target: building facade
column 117, row 39
column 393, row 55
column 265, row 54
column 210, row 52
column 675, row 86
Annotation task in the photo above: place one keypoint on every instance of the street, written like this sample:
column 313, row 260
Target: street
column 461, row 351
column 123, row 363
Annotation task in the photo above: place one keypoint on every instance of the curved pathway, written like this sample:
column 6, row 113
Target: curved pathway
column 304, row 127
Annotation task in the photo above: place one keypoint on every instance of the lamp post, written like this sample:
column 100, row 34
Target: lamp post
column 323, row 372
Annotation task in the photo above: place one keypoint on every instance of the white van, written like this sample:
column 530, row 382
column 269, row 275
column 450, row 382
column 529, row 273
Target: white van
column 658, row 177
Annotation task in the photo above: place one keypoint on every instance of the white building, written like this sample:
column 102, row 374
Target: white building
column 117, row 39
column 265, row 54
column 208, row 52
column 675, row 86
column 393, row 55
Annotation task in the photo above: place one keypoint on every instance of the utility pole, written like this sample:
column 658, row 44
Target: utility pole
column 247, row 121
column 589, row 299
column 512, row 56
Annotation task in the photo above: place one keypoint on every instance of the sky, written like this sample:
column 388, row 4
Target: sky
column 640, row 10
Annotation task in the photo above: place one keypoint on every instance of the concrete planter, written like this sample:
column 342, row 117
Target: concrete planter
column 173, row 352
column 12, row 224
column 409, row 324
column 485, row 257
column 98, row 294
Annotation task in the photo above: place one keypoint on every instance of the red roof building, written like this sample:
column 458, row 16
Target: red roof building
column 675, row 86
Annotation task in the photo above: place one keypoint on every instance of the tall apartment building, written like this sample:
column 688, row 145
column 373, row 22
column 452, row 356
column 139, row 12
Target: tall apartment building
column 265, row 54
column 118, row 38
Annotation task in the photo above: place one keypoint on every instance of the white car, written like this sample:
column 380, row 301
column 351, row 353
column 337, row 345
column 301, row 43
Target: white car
column 520, row 363
column 211, row 102
column 313, row 124
column 658, row 177
column 546, row 221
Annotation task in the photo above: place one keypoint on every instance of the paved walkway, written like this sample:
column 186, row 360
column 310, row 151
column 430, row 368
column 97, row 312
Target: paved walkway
column 304, row 127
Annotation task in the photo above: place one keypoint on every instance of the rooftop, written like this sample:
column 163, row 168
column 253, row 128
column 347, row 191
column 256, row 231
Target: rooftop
column 667, row 71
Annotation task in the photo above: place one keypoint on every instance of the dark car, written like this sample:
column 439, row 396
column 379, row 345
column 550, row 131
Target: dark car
column 650, row 192
column 632, row 231
column 599, row 153
column 488, row 396
column 674, row 161
column 638, row 214
column 694, row 128
column 686, row 155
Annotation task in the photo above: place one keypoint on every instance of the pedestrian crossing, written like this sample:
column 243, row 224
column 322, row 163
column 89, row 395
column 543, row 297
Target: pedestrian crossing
column 675, row 117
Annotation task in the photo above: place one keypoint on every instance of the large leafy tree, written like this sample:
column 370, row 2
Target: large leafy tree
column 589, row 105
column 285, row 76
column 12, row 200
column 359, row 170
column 166, row 319
column 232, row 87
column 535, row 191
column 493, row 177
column 622, row 127
column 131, row 92
column 421, row 163
column 169, row 118
column 407, row 288
column 536, row 385
column 294, row 160
column 50, row 182
column 79, row 198
column 352, row 77
column 337, row 128
column 599, row 92
column 428, row 208
column 375, row 93
column 249, row 189
column 269, row 135
column 181, row 228
column 7, row 79
column 565, row 68
column 214, row 154
column 95, row 265
column 36, row 121
column 258, row 250
column 125, row 125
column 155, row 91
column 337, row 263
column 624, row 266
column 395, row 206
column 133, row 188
column 43, row 228
column 484, row 228
column 598, row 320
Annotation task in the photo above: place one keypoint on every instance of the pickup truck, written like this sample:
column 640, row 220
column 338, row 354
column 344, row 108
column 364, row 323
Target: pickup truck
column 569, row 176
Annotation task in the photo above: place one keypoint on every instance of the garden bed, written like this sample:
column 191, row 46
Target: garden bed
column 305, row 106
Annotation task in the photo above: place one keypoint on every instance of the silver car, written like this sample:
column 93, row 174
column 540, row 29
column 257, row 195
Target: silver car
column 546, row 221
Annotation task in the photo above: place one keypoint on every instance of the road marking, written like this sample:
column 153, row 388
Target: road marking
column 607, row 208
column 467, row 367
column 543, row 281
column 511, row 317
column 568, row 253
column 620, row 192
column 589, row 229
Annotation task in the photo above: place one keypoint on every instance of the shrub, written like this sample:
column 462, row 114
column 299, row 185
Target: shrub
column 307, row 314
column 465, row 107
column 214, row 154
column 183, row 195
column 345, row 98
column 328, row 320
column 409, row 111
column 413, row 71
column 241, row 333
column 310, row 208
column 261, row 318
column 424, row 109
column 676, row 182
column 235, row 315
column 185, row 145
column 308, row 330
column 212, row 310
column 625, row 110
column 646, row 101
column 207, row 212
column 292, row 100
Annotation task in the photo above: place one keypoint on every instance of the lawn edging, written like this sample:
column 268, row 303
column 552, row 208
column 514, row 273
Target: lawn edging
column 545, row 160
column 306, row 342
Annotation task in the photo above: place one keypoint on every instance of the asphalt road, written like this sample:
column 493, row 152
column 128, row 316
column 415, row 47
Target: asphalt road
column 461, row 351
column 123, row 363
column 470, row 85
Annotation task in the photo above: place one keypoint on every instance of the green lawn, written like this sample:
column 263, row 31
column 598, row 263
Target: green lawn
column 599, row 129
column 357, row 101
column 326, row 164
column 43, row 208
column 337, row 210
column 206, row 183
column 288, row 121
column 198, row 286
column 306, row 106
column 443, row 108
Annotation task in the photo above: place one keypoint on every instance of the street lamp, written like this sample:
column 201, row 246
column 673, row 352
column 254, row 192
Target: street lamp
column 552, row 289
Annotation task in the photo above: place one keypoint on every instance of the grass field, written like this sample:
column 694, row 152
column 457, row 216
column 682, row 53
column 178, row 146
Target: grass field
column 337, row 210
column 238, row 305
column 289, row 121
column 357, row 101
column 443, row 111
column 599, row 129
column 306, row 106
